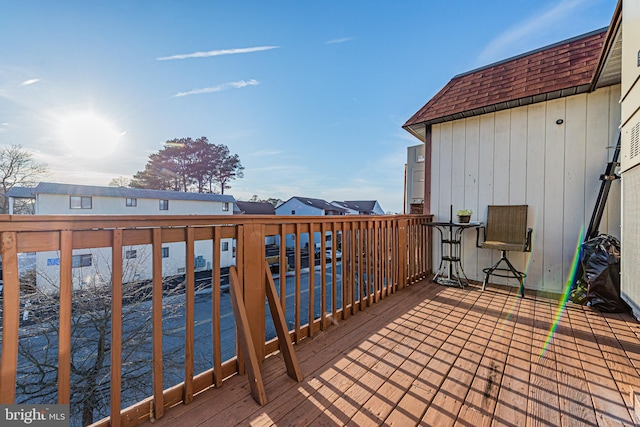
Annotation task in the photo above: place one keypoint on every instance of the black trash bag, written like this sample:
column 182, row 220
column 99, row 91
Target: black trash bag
column 600, row 258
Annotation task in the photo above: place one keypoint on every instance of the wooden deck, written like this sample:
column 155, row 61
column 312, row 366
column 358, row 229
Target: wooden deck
column 441, row 356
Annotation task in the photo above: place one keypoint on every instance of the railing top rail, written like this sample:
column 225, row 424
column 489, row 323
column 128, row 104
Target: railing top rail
column 88, row 221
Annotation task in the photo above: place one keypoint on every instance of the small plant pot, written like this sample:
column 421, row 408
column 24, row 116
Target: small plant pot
column 464, row 219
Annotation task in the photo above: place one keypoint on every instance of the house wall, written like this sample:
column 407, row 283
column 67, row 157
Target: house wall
column 377, row 209
column 47, row 204
column 140, row 267
column 415, row 176
column 521, row 156
column 300, row 209
column 630, row 155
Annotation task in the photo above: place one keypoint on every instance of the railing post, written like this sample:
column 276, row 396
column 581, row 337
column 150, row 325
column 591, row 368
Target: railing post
column 10, row 318
column 254, row 283
column 402, row 253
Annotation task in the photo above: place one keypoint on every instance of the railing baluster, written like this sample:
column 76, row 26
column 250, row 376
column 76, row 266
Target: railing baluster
column 239, row 262
column 323, row 274
column 282, row 268
column 402, row 253
column 354, row 266
column 376, row 261
column 344, row 258
column 394, row 256
column 297, row 284
column 64, row 338
column 116, row 327
column 158, row 397
column 10, row 318
column 385, row 254
column 215, row 310
column 312, row 265
column 189, row 316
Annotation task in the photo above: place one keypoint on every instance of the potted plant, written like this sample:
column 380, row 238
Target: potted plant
column 464, row 215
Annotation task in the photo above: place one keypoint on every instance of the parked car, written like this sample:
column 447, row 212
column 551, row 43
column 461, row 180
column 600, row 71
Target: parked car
column 329, row 255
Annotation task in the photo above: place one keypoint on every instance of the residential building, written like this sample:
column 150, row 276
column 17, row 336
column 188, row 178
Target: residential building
column 308, row 206
column 89, row 265
column 535, row 129
column 360, row 207
column 256, row 208
column 414, row 179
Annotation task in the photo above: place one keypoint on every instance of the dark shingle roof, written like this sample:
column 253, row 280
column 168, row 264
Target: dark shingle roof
column 256, row 208
column 90, row 190
column 361, row 206
column 562, row 69
column 320, row 204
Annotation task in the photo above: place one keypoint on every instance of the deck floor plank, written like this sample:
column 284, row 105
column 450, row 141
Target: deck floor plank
column 625, row 375
column 446, row 344
column 511, row 407
column 607, row 402
column 355, row 397
column 543, row 404
column 450, row 397
column 434, row 355
column 493, row 334
column 576, row 408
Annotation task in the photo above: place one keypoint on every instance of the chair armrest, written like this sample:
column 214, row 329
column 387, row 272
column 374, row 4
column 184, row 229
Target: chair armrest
column 478, row 244
column 528, row 243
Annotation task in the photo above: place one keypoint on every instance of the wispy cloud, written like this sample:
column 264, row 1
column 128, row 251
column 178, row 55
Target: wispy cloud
column 29, row 82
column 219, row 88
column 263, row 153
column 520, row 35
column 217, row 53
column 341, row 40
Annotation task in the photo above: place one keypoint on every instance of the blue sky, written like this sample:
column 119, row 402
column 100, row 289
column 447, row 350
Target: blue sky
column 310, row 94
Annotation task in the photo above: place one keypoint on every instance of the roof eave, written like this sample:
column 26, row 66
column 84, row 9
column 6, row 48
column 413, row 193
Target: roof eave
column 614, row 28
column 502, row 105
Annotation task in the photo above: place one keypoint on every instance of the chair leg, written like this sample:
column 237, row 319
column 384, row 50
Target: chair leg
column 516, row 274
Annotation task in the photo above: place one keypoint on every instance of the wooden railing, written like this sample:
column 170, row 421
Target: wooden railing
column 378, row 256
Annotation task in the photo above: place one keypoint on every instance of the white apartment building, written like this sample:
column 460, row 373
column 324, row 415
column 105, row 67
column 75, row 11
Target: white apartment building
column 93, row 265
column 414, row 179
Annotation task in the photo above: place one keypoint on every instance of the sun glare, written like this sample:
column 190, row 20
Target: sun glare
column 88, row 135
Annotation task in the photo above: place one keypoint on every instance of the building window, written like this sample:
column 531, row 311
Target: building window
column 225, row 246
column 165, row 252
column 225, row 206
column 164, row 205
column 132, row 202
column 131, row 254
column 80, row 202
column 81, row 261
column 293, row 212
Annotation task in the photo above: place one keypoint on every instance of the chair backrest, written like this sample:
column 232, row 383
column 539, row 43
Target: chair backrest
column 507, row 224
